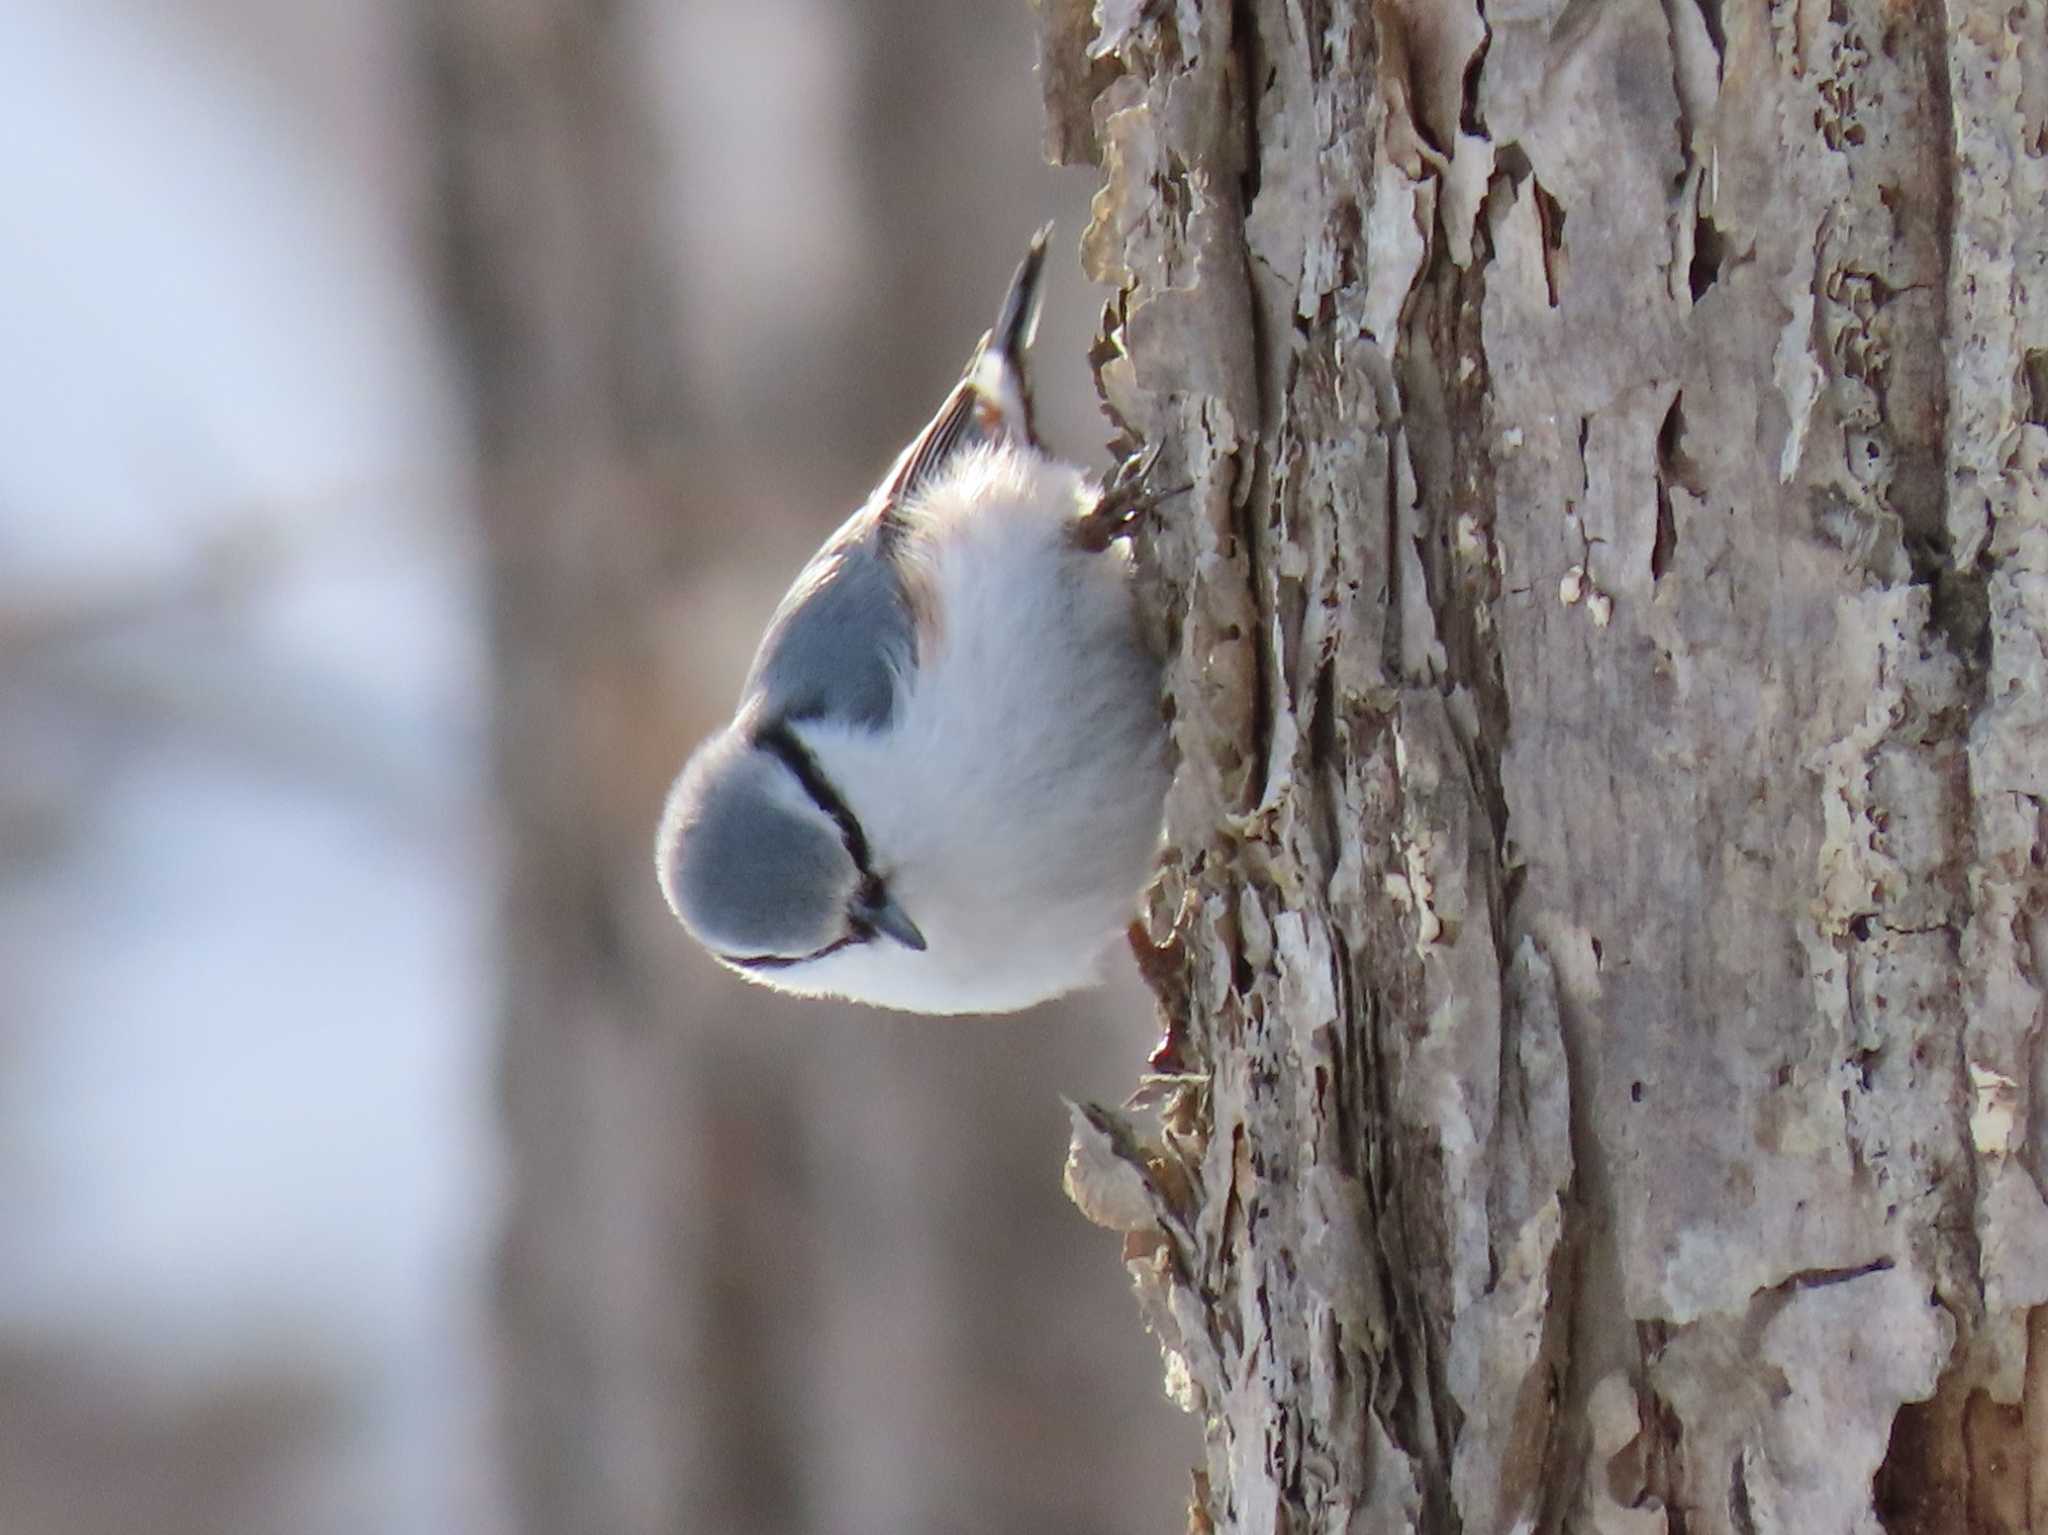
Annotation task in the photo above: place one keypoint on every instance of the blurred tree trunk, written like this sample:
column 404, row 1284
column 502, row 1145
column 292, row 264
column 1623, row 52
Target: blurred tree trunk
column 552, row 254
column 753, row 1276
column 1606, row 876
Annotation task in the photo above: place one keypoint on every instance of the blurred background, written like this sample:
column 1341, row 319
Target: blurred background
column 413, row 410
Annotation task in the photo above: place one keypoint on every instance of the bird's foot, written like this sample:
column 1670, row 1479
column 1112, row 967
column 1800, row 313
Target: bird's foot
column 1127, row 497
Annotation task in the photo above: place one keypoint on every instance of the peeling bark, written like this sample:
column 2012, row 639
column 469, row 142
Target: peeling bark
column 1605, row 868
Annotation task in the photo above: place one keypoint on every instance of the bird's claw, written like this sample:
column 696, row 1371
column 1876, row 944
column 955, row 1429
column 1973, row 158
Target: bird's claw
column 1128, row 496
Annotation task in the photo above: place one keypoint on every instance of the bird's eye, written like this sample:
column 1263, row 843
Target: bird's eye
column 869, row 897
column 873, row 913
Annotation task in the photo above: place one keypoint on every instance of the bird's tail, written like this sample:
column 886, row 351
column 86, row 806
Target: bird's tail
column 1001, row 370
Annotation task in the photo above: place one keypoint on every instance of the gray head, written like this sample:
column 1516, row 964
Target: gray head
column 760, row 855
column 761, row 860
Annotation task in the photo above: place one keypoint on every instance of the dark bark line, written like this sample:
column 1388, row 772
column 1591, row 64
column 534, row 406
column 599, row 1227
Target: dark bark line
column 1605, row 859
column 1354, row 1393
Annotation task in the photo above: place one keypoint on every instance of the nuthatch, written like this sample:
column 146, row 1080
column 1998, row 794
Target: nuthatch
column 942, row 788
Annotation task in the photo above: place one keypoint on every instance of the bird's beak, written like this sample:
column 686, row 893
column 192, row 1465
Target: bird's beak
column 885, row 916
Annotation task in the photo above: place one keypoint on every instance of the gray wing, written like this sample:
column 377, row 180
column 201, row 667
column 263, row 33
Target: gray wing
column 951, row 430
column 846, row 631
column 843, row 635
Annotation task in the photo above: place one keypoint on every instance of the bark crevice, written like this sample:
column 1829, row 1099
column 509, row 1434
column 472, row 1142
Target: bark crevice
column 1642, row 546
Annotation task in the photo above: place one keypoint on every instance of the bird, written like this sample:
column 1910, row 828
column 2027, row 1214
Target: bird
column 942, row 788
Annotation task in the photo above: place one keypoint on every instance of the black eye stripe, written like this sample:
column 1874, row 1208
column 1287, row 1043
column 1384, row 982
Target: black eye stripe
column 780, row 741
column 775, row 737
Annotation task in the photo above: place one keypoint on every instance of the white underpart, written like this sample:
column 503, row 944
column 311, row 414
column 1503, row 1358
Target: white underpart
column 1013, row 805
column 996, row 377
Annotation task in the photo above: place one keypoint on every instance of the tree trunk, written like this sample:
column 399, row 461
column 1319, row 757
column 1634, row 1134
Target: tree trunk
column 1606, row 860
column 767, row 1268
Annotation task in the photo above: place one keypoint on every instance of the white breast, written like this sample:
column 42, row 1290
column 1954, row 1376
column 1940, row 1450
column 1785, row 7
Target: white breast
column 1014, row 803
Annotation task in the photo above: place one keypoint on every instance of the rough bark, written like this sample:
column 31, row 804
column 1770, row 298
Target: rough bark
column 1610, row 633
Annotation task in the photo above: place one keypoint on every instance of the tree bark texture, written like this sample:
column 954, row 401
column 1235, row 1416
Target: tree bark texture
column 1605, row 893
